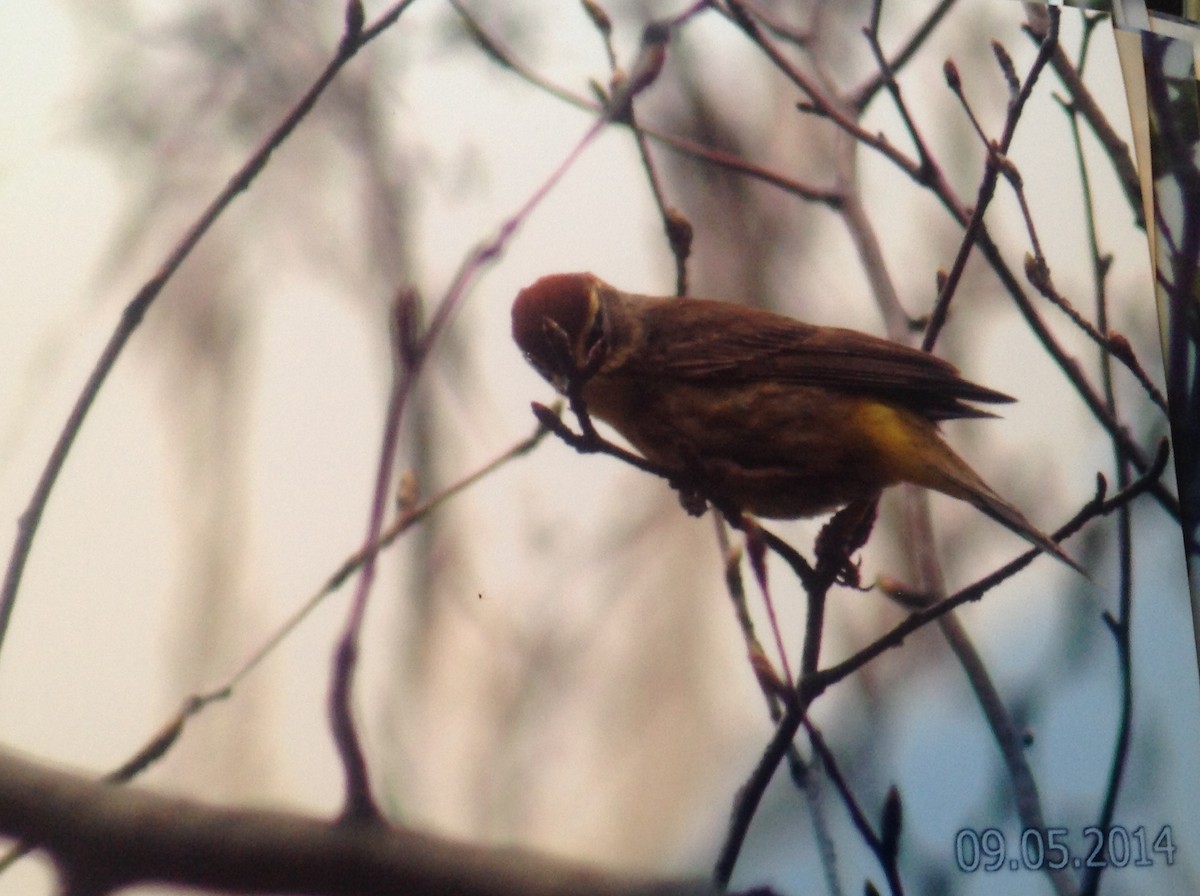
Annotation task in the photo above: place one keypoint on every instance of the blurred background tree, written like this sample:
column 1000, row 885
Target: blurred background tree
column 550, row 657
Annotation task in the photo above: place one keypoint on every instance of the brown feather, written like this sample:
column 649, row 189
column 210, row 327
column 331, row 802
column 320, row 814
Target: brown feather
column 715, row 341
column 769, row 415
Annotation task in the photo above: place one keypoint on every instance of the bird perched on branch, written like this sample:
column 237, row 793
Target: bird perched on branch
column 766, row 414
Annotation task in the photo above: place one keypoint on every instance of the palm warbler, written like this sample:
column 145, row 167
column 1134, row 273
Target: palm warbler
column 775, row 417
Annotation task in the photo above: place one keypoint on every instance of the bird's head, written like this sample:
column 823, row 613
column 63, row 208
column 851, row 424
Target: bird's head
column 557, row 323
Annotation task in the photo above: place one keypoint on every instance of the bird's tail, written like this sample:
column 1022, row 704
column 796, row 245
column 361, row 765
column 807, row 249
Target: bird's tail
column 953, row 477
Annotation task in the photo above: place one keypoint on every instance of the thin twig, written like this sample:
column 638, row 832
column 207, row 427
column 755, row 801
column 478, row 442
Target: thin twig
column 756, row 548
column 813, row 685
column 888, row 75
column 769, row 681
column 710, row 155
column 359, row 804
column 748, row 798
column 1115, row 148
column 826, row 106
column 676, row 227
column 405, row 520
column 353, row 39
column 859, row 818
column 987, row 246
column 973, row 592
column 987, row 185
column 1037, row 272
column 863, row 95
column 412, row 352
column 1008, row 738
column 1119, row 626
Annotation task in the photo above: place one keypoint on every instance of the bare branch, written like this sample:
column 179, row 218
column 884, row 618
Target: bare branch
column 118, row 837
column 135, row 311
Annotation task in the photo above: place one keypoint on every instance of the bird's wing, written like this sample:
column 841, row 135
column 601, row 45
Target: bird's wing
column 697, row 339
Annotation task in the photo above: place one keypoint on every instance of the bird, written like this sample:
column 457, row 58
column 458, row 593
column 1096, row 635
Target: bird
column 772, row 416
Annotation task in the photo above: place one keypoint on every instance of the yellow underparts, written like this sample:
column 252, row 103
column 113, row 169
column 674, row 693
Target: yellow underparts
column 907, row 445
